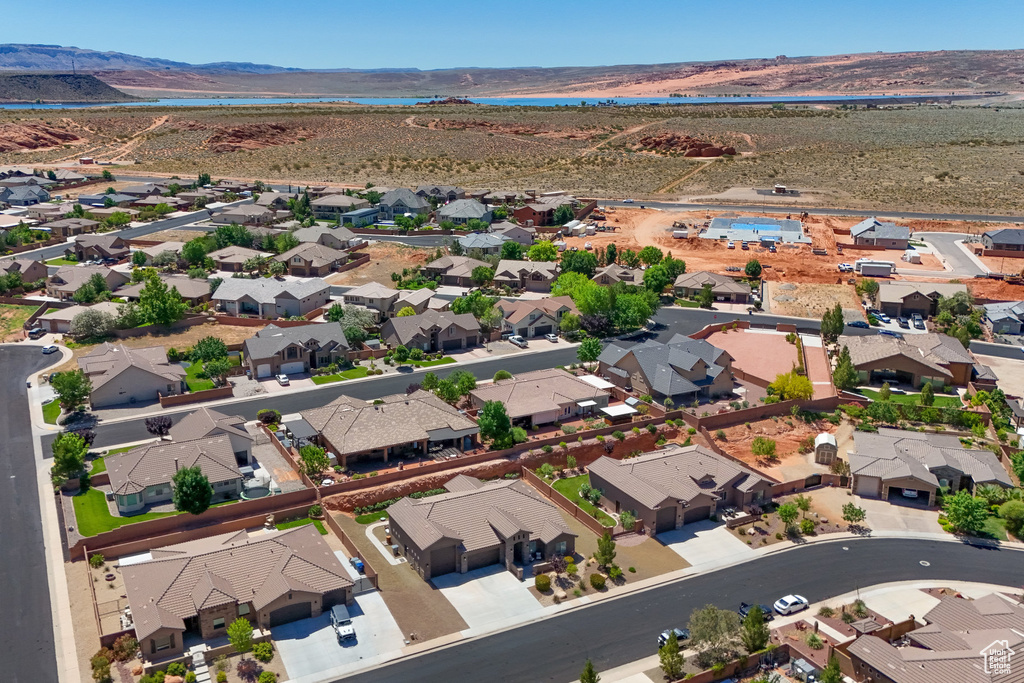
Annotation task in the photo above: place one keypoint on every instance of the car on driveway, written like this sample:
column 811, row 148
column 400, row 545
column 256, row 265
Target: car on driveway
column 36, row 333
column 890, row 333
column 283, row 380
column 553, row 338
column 903, row 322
column 790, row 604
column 883, row 317
column 49, row 348
column 745, row 608
column 682, row 634
column 918, row 321
column 859, row 323
column 519, row 341
column 342, row 623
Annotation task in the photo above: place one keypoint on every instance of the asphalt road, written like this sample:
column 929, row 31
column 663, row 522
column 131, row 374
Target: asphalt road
column 945, row 243
column 26, row 629
column 616, row 632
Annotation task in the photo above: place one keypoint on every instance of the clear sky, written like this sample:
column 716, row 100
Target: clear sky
column 461, row 33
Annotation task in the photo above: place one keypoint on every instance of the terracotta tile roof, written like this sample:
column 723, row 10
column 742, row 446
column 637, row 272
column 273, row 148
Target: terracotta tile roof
column 520, row 309
column 535, row 392
column 316, row 254
column 108, row 361
column 180, row 580
column 156, row 463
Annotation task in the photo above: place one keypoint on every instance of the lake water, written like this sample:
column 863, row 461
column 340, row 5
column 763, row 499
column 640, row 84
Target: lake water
column 499, row 101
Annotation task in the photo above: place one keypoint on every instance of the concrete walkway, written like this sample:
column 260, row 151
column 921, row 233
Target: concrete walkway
column 384, row 550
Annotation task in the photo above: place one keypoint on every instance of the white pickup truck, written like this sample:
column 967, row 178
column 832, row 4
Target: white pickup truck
column 342, row 623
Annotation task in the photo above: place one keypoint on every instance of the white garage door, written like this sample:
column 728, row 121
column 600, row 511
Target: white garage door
column 263, row 370
column 295, row 368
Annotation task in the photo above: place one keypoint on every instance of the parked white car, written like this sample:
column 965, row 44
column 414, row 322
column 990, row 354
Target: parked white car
column 790, row 604
column 283, row 380
column 519, row 341
column 845, row 268
column 49, row 348
column 553, row 338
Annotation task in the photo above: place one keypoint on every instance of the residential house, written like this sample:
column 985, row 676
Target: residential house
column 122, row 375
column 199, row 197
column 442, row 193
column 198, row 588
column 245, row 214
column 500, row 197
column 400, row 202
column 271, row 298
column 152, row 252
column 234, row 186
column 193, row 290
column 232, row 259
column 964, row 640
column 675, row 486
column 31, row 271
column 23, row 195
column 69, row 227
column 723, row 287
column 484, row 242
column 275, row 201
column 312, row 260
column 49, row 211
column 386, row 302
column 142, row 476
column 516, row 233
column 1006, row 239
column 173, row 203
column 105, row 200
column 331, row 207
column 90, row 247
column 392, row 426
column 104, row 213
column 609, row 275
column 335, row 238
column 906, row 298
column 207, row 423
column 534, row 317
column 682, row 370
column 478, row 524
column 277, row 350
column 542, row 397
column 66, row 175
column 534, row 214
column 23, row 181
column 59, row 320
column 359, row 218
column 1006, row 317
column 432, row 331
column 63, row 284
column 533, row 276
column 143, row 190
column 876, row 233
column 462, row 211
column 917, row 358
column 892, row 462
column 454, row 270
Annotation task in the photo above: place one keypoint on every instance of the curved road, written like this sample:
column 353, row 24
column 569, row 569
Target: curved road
column 616, row 632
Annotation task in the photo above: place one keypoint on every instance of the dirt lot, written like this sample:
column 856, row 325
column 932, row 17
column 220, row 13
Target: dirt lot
column 12, row 318
column 175, row 235
column 1001, row 264
column 788, row 433
column 385, row 258
column 995, row 290
column 808, row 300
column 231, row 334
column 765, row 530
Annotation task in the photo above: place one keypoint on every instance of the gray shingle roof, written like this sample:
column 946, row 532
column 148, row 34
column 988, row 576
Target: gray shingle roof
column 482, row 240
column 108, row 361
column 407, row 328
column 661, row 363
column 1006, row 236
column 316, row 337
column 206, row 421
column 876, row 229
column 530, row 393
column 317, row 232
column 267, row 290
column 463, row 208
column 406, row 196
column 156, row 463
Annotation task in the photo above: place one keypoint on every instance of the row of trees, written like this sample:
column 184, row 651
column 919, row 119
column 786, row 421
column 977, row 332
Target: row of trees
column 604, row 310
column 158, row 304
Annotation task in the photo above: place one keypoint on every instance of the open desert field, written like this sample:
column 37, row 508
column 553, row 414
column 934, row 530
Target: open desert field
column 913, row 157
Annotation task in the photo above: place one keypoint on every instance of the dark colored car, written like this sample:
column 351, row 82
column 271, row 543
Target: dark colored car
column 903, row 322
column 859, row 323
column 890, row 333
column 745, row 608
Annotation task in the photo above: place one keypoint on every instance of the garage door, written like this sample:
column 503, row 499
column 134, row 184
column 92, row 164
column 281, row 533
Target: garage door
column 451, row 344
column 696, row 514
column 263, row 371
column 295, row 368
column 866, row 486
column 665, row 521
column 442, row 561
column 484, row 558
column 542, row 330
column 285, row 615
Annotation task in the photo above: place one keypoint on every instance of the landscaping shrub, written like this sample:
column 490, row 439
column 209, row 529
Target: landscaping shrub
column 190, row 677
column 268, row 416
column 267, row 677
column 778, row 536
column 806, row 527
column 384, row 504
column 826, row 612
column 691, row 431
column 651, row 429
column 96, row 561
column 264, row 652
column 247, row 669
column 546, row 448
column 100, row 663
column 597, row 581
column 614, row 572
column 814, row 642
column 848, row 618
column 1012, row 513
column 628, row 520
column 176, row 669
column 125, row 648
column 632, row 570
column 222, row 677
column 571, row 569
column 619, row 435
column 543, row 583
column 763, row 446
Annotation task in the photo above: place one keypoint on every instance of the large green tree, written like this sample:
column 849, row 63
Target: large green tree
column 713, row 634
column 790, row 385
column 845, row 375
column 754, row 633
column 314, row 460
column 160, row 304
column 69, row 451
column 650, row 255
column 669, row 657
column 753, row 268
column 72, row 388
column 208, row 348
column 495, row 424
column 511, row 251
column 240, row 635
column 583, row 262
column 705, row 297
column 656, row 279
column 543, row 251
column 588, row 350
column 191, row 491
column 964, row 512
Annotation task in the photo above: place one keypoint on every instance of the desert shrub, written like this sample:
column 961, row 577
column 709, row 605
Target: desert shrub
column 315, row 510
column 267, row 677
column 222, row 677
column 571, row 569
column 125, row 648
column 596, row 581
column 190, row 677
column 96, row 561
column 691, row 431
column 543, row 583
column 176, row 669
column 848, row 618
column 619, row 435
column 264, row 652
column 268, row 416
column 807, row 527
column 546, row 448
column 651, row 429
column 763, row 446
column 826, row 611
column 614, row 572
column 814, row 641
column 778, row 535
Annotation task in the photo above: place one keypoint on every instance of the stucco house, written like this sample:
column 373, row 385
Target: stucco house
column 335, row 238
column 271, row 298
column 432, row 331
column 533, row 276
column 294, row 350
column 874, row 232
column 609, row 275
column 514, row 232
column 59, row 320
column 723, row 287
column 914, row 360
column 122, row 375
column 461, row 211
column 906, row 298
column 28, row 269
column 360, row 217
column 207, row 423
column 107, row 246
column 232, row 259
column 442, row 193
column 1006, row 239
column 69, row 227
column 531, row 318
column 484, row 242
column 330, row 207
column 542, row 397
column 454, row 270
column 399, row 202
column 63, row 284
column 385, row 302
column 191, row 289
column 683, row 370
column 477, row 524
column 311, row 259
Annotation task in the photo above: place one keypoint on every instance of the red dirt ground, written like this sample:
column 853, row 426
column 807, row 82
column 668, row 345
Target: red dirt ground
column 761, row 354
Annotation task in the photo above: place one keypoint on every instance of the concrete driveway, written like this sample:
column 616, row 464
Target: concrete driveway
column 706, row 544
column 489, row 598
column 884, row 516
column 303, row 381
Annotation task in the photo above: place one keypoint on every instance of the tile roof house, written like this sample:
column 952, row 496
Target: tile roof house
column 336, row 238
column 198, row 588
column 461, row 211
column 681, row 370
column 677, row 485
column 30, row 270
column 23, row 195
column 963, row 641
column 359, row 218
column 399, row 202
column 122, row 375
column 542, row 397
column 401, row 424
column 609, row 275
column 331, row 206
column 531, row 318
column 914, row 360
column 69, row 227
column 271, row 298
column 1006, row 317
column 432, row 331
column 533, row 276
column 206, row 423
column 142, row 476
column 874, row 232
column 486, row 242
column 516, row 233
column 294, row 350
column 443, row 193
column 454, row 270
column 892, row 460
column 193, row 290
column 1006, row 239
column 385, row 302
column 477, row 524
column 232, row 259
column 66, row 281
column 906, row 298
column 100, row 200
column 312, row 260
column 245, row 214
column 59, row 320
column 88, row 247
column 275, row 201
column 723, row 287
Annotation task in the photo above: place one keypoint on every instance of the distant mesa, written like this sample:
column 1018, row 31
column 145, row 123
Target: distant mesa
column 449, row 100
column 67, row 88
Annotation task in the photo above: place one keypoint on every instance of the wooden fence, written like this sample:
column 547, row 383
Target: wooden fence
column 561, row 501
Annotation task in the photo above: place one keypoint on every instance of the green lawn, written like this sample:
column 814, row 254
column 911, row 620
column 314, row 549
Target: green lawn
column 195, row 383
column 371, row 517
column 994, row 528
column 51, row 411
column 570, row 488
column 303, row 522
column 912, row 399
column 61, row 262
column 98, row 465
column 115, row 451
column 94, row 518
column 683, row 303
column 354, row 373
column 431, row 363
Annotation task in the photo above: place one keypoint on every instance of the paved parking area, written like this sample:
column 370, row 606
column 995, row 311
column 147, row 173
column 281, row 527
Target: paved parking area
column 706, row 544
column 489, row 598
column 884, row 516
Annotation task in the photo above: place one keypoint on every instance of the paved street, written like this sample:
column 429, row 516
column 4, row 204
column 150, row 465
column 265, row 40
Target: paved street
column 615, row 632
column 27, row 628
column 946, row 244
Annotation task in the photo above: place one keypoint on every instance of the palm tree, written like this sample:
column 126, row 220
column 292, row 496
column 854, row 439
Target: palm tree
column 991, row 493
